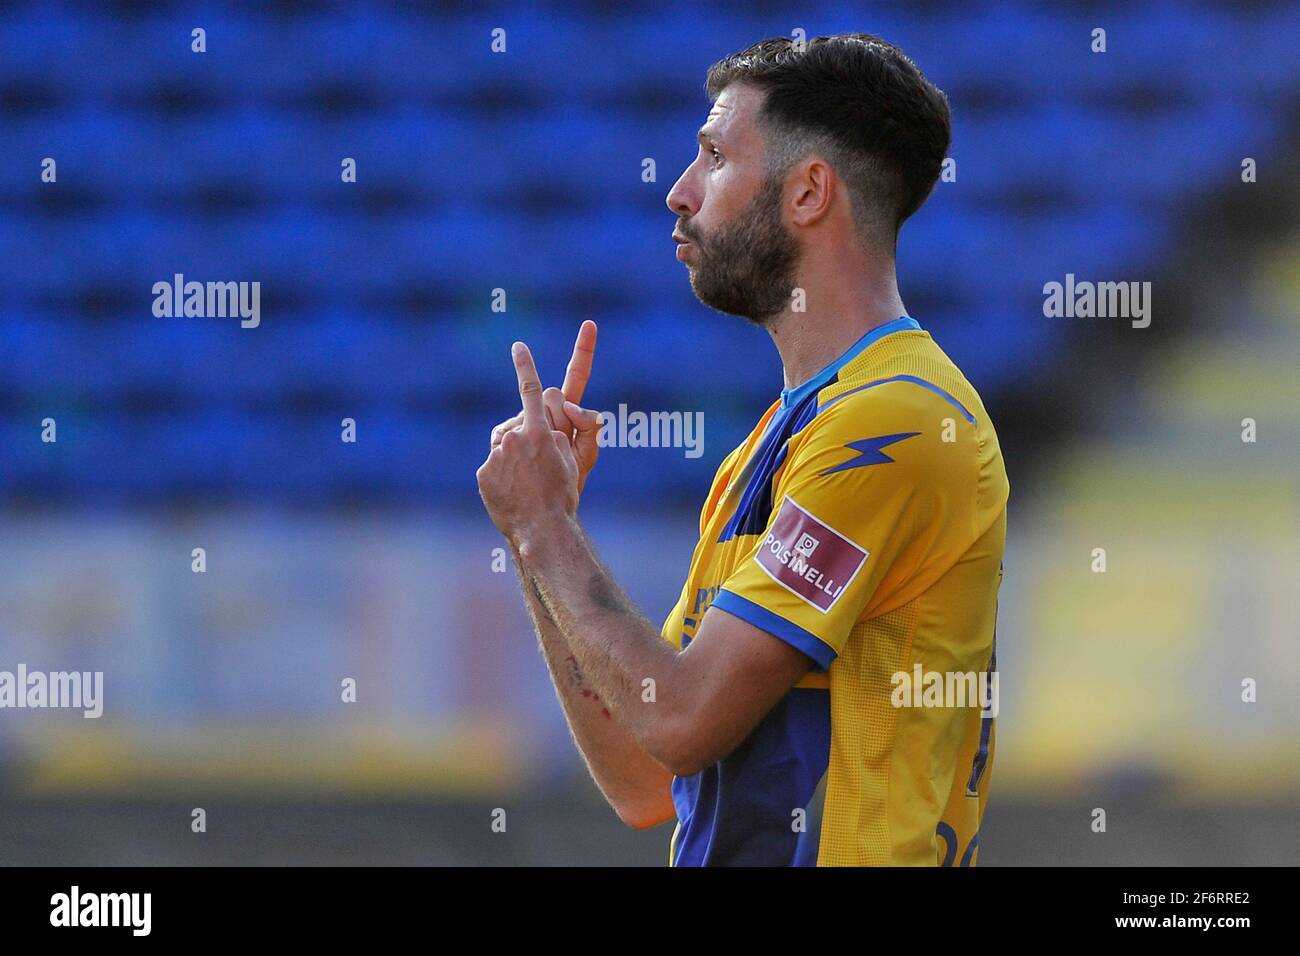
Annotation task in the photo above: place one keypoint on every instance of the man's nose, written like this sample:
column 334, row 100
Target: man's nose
column 682, row 199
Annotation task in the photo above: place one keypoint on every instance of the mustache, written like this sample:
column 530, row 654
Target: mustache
column 688, row 230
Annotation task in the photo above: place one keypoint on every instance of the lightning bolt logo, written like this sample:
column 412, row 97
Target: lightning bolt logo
column 869, row 451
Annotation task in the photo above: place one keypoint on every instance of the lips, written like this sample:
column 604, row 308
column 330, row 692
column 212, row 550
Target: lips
column 682, row 245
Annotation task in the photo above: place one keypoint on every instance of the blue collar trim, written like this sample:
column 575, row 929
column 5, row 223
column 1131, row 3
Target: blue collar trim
column 792, row 396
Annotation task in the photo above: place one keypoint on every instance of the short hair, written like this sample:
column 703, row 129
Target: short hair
column 860, row 103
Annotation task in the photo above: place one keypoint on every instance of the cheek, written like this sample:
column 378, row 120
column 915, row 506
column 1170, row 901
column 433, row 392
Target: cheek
column 723, row 197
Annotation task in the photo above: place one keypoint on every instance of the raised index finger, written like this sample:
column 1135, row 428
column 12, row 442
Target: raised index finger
column 578, row 373
column 530, row 386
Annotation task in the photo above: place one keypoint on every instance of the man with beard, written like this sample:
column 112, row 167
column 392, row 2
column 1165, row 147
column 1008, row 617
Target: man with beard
column 855, row 537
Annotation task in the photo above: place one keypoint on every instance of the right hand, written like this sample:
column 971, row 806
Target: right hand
column 563, row 409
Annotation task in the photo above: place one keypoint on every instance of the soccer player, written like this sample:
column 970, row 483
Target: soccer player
column 855, row 535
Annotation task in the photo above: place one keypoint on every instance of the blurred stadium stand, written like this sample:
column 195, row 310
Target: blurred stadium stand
column 519, row 171
column 522, row 171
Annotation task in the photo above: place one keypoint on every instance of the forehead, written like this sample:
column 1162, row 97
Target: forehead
column 735, row 113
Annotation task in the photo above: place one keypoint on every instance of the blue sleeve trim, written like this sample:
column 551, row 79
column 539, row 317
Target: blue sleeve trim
column 763, row 619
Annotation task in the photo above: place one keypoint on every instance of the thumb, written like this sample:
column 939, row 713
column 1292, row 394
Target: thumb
column 586, row 433
column 583, row 419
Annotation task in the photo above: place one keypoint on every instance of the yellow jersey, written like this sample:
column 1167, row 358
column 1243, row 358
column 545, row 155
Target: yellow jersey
column 863, row 522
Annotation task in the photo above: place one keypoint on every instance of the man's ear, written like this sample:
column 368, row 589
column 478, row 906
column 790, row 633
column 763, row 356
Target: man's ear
column 813, row 186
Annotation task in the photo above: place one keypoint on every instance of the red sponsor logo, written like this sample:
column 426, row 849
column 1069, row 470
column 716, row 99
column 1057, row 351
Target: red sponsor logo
column 809, row 558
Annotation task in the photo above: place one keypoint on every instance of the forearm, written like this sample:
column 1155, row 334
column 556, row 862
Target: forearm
column 636, row 785
column 620, row 654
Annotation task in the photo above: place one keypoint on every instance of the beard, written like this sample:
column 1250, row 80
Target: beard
column 747, row 267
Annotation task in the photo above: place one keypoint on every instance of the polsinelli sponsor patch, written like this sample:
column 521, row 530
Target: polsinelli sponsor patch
column 804, row 555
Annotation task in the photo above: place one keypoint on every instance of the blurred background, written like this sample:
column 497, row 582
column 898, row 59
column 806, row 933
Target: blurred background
column 524, row 171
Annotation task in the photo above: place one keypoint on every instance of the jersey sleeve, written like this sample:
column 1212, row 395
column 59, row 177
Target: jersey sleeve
column 875, row 498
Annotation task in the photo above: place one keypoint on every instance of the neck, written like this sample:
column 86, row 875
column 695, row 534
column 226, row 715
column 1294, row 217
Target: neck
column 839, row 312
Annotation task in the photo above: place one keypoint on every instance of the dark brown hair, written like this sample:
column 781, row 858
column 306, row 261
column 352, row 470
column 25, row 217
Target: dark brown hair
column 860, row 103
